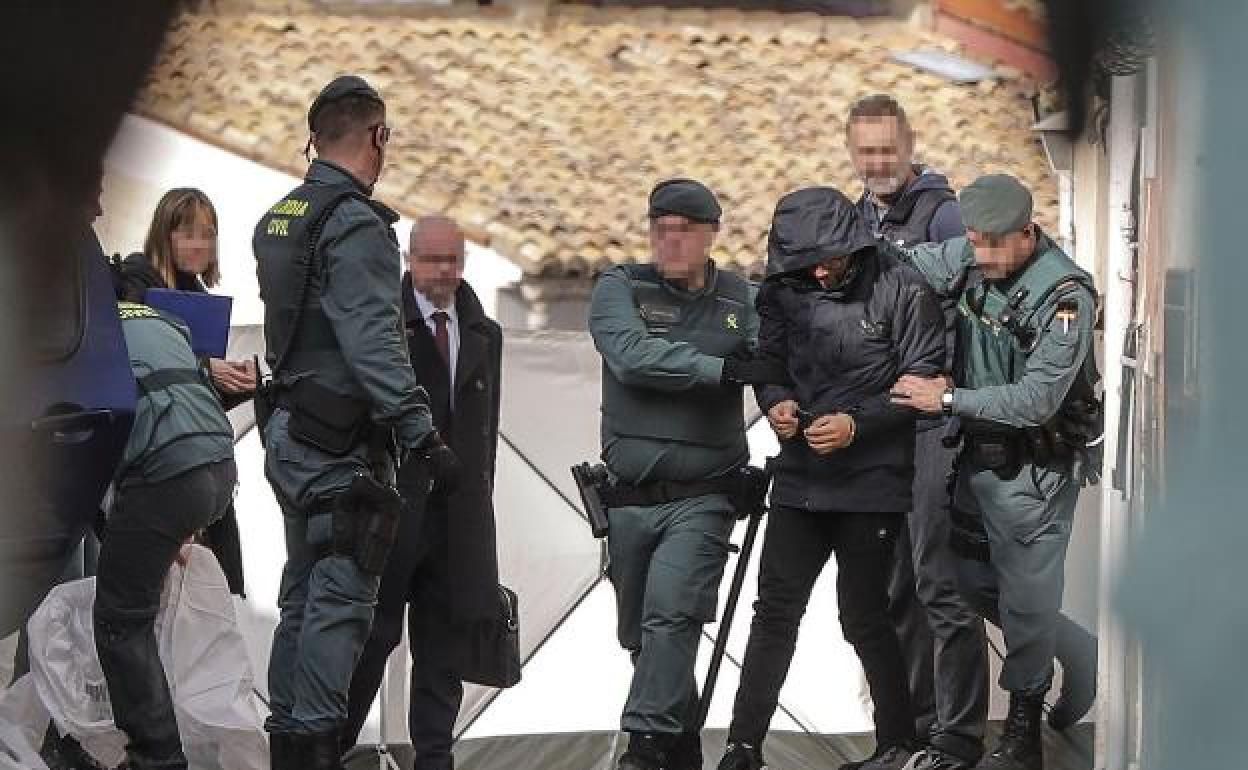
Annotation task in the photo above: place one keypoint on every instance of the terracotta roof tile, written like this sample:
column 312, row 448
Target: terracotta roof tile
column 544, row 142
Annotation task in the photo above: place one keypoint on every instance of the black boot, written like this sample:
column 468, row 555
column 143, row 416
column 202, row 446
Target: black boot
column 1020, row 747
column 646, row 751
column 742, row 756
column 686, row 753
column 1076, row 651
column 284, row 752
column 320, row 751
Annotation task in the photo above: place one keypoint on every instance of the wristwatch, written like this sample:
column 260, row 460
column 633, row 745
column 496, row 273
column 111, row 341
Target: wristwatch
column 946, row 402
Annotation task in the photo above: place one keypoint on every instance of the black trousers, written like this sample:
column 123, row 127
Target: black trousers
column 416, row 574
column 942, row 636
column 797, row 546
column 147, row 527
column 222, row 538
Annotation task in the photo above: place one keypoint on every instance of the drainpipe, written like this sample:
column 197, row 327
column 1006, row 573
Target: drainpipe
column 1114, row 707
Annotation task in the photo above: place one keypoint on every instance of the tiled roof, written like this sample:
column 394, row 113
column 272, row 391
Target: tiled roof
column 545, row 139
column 1034, row 7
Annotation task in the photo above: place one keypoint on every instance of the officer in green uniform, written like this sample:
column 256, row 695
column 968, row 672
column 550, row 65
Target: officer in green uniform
column 176, row 478
column 1023, row 383
column 345, row 407
column 676, row 339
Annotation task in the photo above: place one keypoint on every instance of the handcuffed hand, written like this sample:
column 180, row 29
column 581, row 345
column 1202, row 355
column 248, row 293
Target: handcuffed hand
column 830, row 433
column 783, row 419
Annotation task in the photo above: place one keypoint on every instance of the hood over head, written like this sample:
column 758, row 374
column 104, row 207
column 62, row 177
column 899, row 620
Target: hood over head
column 811, row 225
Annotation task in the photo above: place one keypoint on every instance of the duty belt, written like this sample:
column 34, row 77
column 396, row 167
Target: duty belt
column 620, row 495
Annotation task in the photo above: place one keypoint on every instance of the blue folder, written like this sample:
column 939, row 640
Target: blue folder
column 207, row 316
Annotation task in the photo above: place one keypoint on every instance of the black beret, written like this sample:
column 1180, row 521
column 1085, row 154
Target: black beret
column 996, row 204
column 339, row 88
column 685, row 198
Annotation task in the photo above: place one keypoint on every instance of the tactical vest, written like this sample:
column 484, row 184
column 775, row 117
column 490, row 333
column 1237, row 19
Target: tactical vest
column 998, row 328
column 714, row 323
column 283, row 243
column 907, row 223
column 179, row 423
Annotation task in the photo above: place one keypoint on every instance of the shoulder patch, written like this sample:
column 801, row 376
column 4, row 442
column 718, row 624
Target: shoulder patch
column 1067, row 314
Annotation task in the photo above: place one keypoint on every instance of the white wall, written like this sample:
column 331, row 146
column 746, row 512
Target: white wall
column 148, row 159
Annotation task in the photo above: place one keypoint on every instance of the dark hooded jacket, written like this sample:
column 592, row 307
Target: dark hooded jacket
column 844, row 348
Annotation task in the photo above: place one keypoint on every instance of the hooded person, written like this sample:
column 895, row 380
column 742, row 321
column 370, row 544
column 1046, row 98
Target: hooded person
column 844, row 317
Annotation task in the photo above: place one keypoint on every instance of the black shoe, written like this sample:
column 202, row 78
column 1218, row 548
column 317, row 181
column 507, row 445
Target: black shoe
column 884, row 758
column 646, row 751
column 284, row 752
column 320, row 751
column 934, row 759
column 1020, row 747
column 1078, row 691
column 891, row 758
column 742, row 756
column 686, row 753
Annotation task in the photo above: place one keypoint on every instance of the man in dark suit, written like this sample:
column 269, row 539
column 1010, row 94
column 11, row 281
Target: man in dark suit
column 444, row 563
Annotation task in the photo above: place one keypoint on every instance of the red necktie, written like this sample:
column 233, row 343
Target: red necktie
column 441, row 339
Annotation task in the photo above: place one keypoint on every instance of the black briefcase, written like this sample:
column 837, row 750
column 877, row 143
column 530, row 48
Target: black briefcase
column 491, row 648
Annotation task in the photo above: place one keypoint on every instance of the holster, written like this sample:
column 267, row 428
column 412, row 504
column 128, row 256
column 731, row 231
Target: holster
column 750, row 496
column 319, row 417
column 590, row 482
column 366, row 523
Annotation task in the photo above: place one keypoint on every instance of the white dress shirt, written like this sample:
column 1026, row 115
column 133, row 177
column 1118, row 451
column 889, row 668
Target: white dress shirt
column 427, row 309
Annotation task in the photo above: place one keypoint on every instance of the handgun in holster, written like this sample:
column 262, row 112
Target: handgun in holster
column 366, row 523
column 590, row 480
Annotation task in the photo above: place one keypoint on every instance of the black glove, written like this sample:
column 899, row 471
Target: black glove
column 431, row 466
column 754, row 370
column 444, row 466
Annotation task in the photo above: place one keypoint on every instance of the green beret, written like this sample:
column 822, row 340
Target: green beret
column 686, row 198
column 996, row 204
column 340, row 88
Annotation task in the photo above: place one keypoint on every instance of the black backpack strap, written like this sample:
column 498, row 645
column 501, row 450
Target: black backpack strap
column 931, row 200
column 311, row 266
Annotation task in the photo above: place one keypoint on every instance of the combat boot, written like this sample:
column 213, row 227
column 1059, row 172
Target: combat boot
column 646, row 751
column 1020, row 747
column 1076, row 651
column 742, row 756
